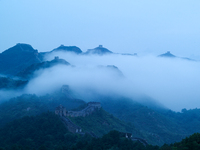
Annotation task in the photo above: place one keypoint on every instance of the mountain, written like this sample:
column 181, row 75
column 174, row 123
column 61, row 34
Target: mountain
column 128, row 54
column 113, row 70
column 47, row 131
column 63, row 48
column 192, row 143
column 100, row 50
column 158, row 127
column 44, row 131
column 30, row 105
column 167, row 54
column 8, row 83
column 28, row 72
column 101, row 122
column 17, row 58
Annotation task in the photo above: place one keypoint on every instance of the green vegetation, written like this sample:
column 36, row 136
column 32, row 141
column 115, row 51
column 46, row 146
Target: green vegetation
column 158, row 127
column 101, row 122
column 30, row 105
column 191, row 143
column 113, row 141
column 46, row 131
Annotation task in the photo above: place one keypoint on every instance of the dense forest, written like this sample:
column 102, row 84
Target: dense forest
column 189, row 143
column 156, row 127
column 46, row 131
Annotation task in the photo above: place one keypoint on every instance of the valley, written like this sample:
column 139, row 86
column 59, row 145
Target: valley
column 91, row 101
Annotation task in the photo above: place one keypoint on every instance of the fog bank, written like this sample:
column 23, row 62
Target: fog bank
column 172, row 82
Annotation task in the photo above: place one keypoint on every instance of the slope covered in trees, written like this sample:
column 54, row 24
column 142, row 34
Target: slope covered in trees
column 158, row 126
column 30, row 105
column 46, row 131
column 189, row 143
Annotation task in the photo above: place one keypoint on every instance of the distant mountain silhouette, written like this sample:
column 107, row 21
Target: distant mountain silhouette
column 100, row 50
column 18, row 58
column 115, row 70
column 127, row 54
column 68, row 49
column 28, row 72
column 168, row 54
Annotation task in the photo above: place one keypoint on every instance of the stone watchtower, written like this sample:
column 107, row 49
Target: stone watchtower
column 56, row 58
column 61, row 111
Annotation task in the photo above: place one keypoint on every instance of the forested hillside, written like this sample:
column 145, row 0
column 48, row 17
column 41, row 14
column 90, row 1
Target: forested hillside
column 46, row 131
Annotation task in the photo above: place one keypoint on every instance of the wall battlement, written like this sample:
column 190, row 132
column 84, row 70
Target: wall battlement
column 91, row 107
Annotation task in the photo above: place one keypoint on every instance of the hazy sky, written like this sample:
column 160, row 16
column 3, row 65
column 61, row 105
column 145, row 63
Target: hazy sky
column 128, row 26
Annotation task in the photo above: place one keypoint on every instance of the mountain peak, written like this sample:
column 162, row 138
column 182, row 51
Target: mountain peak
column 167, row 54
column 99, row 50
column 20, row 47
column 18, row 58
column 68, row 49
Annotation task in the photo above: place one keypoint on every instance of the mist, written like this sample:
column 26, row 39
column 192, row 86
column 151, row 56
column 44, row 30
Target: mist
column 174, row 83
column 8, row 94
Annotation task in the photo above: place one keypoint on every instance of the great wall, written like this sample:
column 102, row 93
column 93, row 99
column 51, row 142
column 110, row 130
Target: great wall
column 88, row 110
column 91, row 107
column 64, row 114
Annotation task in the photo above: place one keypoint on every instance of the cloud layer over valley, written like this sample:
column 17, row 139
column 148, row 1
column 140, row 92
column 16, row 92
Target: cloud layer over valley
column 172, row 82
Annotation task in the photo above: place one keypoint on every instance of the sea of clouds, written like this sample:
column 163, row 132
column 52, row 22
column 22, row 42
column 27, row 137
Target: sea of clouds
column 172, row 82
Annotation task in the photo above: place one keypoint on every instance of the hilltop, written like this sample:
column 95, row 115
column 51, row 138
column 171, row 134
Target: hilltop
column 170, row 55
column 18, row 58
column 63, row 48
column 100, row 50
column 28, row 72
column 167, row 54
column 46, row 131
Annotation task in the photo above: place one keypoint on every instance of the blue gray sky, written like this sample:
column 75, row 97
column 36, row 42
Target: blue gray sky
column 128, row 26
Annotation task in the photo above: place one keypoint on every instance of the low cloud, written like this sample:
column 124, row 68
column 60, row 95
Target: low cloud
column 172, row 82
